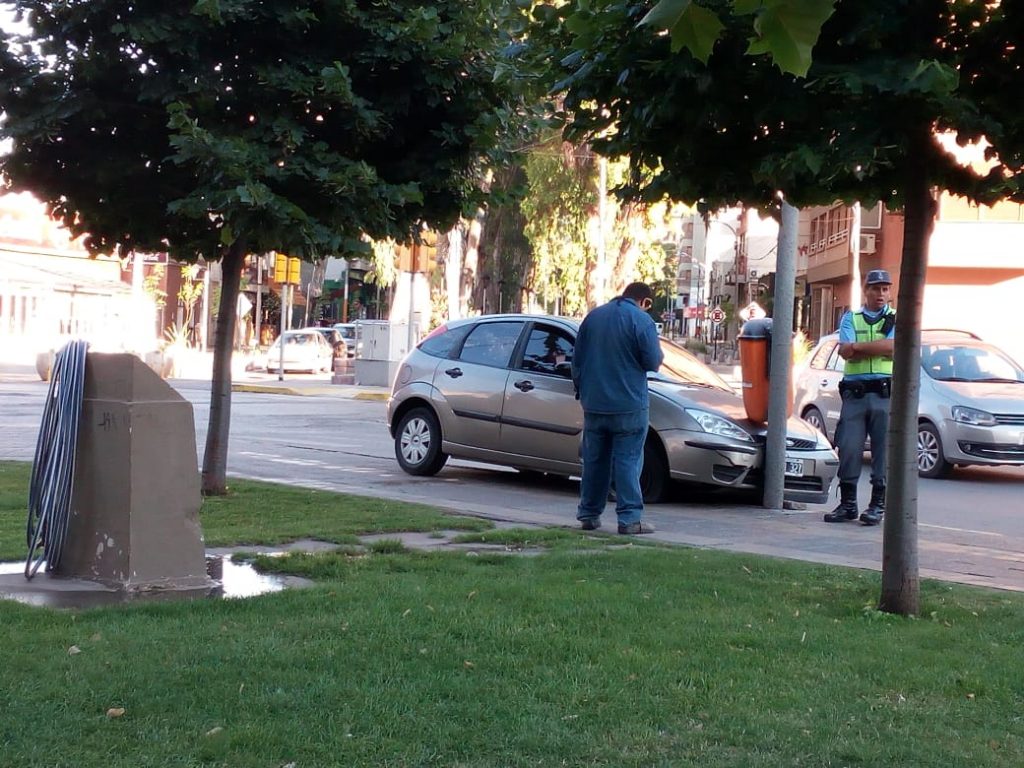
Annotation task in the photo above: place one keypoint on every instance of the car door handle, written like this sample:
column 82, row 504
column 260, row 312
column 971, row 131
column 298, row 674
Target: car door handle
column 523, row 386
column 824, row 382
column 454, row 372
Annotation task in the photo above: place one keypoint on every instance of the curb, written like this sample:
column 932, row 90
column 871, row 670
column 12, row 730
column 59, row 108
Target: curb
column 380, row 396
column 265, row 389
column 309, row 391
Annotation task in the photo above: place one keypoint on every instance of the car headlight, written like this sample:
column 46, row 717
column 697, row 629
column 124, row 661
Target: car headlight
column 716, row 425
column 965, row 415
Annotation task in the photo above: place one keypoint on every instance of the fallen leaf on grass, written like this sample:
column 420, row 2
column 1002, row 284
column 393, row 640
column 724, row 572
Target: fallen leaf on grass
column 468, row 664
column 747, row 570
column 74, row 650
column 406, row 612
column 115, row 712
column 471, row 595
column 214, row 731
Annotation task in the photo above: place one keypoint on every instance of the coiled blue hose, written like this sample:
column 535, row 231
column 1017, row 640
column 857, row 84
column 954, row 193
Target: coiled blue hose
column 53, row 469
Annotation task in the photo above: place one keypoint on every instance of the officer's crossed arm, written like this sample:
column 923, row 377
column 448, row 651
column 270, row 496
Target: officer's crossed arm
column 859, row 350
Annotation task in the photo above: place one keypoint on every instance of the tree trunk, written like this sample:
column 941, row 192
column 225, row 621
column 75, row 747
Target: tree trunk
column 900, row 579
column 215, row 458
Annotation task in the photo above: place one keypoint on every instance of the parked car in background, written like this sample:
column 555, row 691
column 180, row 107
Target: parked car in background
column 971, row 407
column 498, row 389
column 337, row 342
column 305, row 349
column 350, row 334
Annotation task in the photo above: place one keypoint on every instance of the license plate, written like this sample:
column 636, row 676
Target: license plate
column 794, row 467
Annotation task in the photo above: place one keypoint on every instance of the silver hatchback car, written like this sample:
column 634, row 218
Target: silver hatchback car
column 498, row 389
column 971, row 407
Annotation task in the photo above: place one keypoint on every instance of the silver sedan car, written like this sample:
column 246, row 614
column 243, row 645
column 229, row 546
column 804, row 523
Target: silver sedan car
column 971, row 407
column 498, row 389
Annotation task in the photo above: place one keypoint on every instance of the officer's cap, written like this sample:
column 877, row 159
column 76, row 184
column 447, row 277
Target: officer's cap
column 878, row 277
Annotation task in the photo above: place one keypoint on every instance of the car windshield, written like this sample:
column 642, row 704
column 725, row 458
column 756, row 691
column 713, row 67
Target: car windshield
column 969, row 362
column 681, row 365
column 347, row 332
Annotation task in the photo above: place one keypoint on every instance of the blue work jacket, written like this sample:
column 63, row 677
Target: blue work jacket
column 616, row 346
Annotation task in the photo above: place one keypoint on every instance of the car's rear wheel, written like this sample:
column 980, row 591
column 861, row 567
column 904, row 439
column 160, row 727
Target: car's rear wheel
column 931, row 461
column 418, row 443
column 813, row 417
column 654, row 478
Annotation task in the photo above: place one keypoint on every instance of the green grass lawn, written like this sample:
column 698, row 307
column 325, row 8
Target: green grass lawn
column 587, row 655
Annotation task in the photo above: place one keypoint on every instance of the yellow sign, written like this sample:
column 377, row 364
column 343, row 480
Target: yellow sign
column 294, row 267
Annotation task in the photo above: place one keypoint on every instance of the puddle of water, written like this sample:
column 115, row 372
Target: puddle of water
column 229, row 580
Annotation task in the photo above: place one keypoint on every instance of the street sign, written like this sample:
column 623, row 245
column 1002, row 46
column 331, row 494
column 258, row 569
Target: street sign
column 717, row 315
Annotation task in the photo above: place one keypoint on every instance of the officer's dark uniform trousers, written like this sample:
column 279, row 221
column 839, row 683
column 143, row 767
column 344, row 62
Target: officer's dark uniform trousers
column 861, row 417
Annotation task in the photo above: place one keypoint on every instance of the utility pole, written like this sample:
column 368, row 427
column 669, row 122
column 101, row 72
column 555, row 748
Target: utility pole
column 855, row 278
column 602, row 193
column 781, row 360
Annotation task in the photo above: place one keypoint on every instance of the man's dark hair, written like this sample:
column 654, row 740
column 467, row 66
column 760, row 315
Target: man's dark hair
column 638, row 292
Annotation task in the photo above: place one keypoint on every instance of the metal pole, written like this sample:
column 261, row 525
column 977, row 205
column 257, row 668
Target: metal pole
column 280, row 339
column 259, row 298
column 782, row 360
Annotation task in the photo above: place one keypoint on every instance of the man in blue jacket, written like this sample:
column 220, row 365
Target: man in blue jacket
column 617, row 345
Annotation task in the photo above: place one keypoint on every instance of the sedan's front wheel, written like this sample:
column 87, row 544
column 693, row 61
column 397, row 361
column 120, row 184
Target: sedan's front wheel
column 654, row 477
column 931, row 461
column 418, row 443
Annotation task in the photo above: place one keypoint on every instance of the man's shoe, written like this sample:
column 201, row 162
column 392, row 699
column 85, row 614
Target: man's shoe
column 636, row 529
column 871, row 516
column 847, row 509
column 842, row 514
column 590, row 523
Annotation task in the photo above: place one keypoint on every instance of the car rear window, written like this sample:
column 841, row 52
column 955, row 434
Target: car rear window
column 444, row 341
column 491, row 343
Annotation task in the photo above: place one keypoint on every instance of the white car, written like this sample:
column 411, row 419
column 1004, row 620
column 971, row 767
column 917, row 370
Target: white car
column 971, row 408
column 305, row 349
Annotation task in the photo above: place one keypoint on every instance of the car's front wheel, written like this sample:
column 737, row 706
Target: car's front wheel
column 418, row 443
column 654, row 477
column 931, row 461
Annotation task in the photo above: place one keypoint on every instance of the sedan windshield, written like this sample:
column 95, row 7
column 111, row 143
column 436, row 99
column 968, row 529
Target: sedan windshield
column 682, row 366
column 969, row 362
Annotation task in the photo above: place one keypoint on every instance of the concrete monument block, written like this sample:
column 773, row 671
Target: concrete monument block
column 135, row 506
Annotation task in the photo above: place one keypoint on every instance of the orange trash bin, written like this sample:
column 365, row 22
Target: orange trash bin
column 755, row 342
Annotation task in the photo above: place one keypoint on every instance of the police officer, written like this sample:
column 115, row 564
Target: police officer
column 866, row 343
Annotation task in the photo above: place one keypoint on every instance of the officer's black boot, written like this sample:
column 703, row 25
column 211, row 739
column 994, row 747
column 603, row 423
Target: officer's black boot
column 876, row 507
column 847, row 509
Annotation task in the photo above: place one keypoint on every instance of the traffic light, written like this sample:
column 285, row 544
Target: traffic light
column 294, row 265
column 280, row 268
